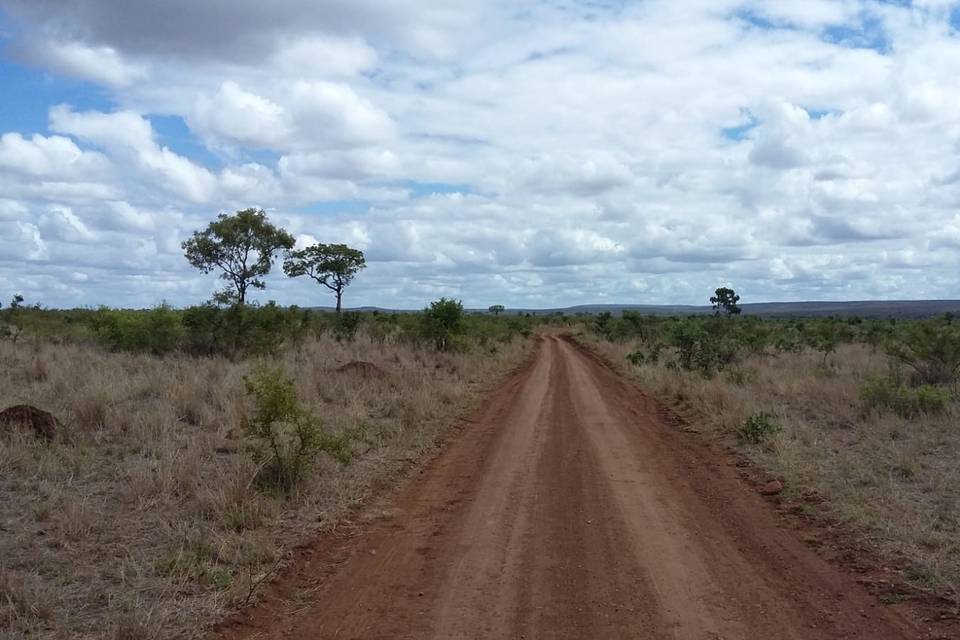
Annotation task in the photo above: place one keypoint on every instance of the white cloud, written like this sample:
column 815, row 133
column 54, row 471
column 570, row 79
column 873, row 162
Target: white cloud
column 325, row 57
column 563, row 153
column 302, row 115
column 100, row 64
column 41, row 156
column 239, row 117
column 130, row 136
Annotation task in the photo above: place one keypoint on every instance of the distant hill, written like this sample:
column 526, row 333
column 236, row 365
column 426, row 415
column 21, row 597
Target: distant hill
column 862, row 309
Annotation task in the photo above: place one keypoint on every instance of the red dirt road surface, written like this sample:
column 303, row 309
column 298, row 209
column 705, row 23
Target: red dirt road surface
column 570, row 507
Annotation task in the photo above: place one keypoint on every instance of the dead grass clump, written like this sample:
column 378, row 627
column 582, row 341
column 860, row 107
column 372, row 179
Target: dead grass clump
column 24, row 604
column 362, row 369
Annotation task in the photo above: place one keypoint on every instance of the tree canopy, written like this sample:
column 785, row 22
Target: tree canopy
column 332, row 265
column 241, row 247
column 725, row 301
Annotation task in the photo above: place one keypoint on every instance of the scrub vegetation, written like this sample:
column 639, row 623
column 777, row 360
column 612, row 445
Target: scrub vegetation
column 857, row 417
column 187, row 451
column 177, row 482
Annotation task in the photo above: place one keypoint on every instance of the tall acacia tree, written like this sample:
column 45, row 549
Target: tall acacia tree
column 242, row 247
column 332, row 265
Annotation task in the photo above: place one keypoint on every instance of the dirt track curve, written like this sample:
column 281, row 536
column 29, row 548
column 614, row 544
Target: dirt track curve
column 569, row 507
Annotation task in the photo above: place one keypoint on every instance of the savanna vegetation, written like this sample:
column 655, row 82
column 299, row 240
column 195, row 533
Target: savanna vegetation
column 857, row 417
column 190, row 449
column 187, row 450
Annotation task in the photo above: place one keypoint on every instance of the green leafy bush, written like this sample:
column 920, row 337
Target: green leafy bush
column 758, row 427
column 243, row 329
column 346, row 325
column 649, row 355
column 930, row 349
column 886, row 393
column 287, row 437
column 703, row 346
column 156, row 331
column 603, row 324
column 441, row 321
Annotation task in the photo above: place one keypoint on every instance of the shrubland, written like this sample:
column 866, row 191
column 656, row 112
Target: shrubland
column 197, row 446
column 859, row 418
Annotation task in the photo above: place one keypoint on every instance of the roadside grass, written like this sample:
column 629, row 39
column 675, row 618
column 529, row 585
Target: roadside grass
column 891, row 477
column 142, row 520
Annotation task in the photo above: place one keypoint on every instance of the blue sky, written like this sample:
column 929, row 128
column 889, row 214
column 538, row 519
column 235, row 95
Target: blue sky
column 542, row 154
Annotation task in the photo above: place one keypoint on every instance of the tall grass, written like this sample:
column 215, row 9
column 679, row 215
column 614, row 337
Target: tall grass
column 888, row 473
column 143, row 518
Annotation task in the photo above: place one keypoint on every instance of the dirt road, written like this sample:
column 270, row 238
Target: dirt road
column 569, row 507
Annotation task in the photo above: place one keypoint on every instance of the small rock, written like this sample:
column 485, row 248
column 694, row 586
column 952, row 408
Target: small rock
column 772, row 488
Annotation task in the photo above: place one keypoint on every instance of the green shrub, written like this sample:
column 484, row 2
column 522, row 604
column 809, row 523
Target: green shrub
column 704, row 346
column 603, row 324
column 287, row 437
column 931, row 349
column 758, row 427
column 346, row 325
column 156, row 331
column 650, row 355
column 242, row 328
column 441, row 321
column 888, row 393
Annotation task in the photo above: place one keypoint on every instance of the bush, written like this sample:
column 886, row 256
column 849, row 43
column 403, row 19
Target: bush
column 442, row 321
column 640, row 356
column 703, row 346
column 603, row 324
column 157, row 331
column 758, row 427
column 241, row 329
column 287, row 437
column 346, row 325
column 931, row 349
column 889, row 394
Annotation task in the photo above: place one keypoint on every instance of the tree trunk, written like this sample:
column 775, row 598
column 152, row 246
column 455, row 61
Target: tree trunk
column 339, row 294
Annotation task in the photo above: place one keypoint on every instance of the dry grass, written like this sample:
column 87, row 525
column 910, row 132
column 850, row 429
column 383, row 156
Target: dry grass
column 143, row 521
column 894, row 479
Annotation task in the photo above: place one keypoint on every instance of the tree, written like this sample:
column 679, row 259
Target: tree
column 332, row 265
column 495, row 309
column 441, row 321
column 242, row 247
column 725, row 301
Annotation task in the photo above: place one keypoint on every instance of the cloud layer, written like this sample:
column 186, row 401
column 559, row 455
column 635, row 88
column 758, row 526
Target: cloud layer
column 545, row 154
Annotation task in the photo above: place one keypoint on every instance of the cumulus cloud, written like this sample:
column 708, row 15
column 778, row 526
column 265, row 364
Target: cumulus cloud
column 100, row 64
column 569, row 152
column 130, row 136
column 53, row 156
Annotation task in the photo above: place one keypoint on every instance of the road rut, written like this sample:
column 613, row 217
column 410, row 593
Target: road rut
column 570, row 507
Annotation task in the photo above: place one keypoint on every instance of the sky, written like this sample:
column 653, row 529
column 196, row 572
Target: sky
column 527, row 153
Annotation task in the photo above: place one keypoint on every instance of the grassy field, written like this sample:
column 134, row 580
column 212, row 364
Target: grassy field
column 144, row 518
column 842, row 422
